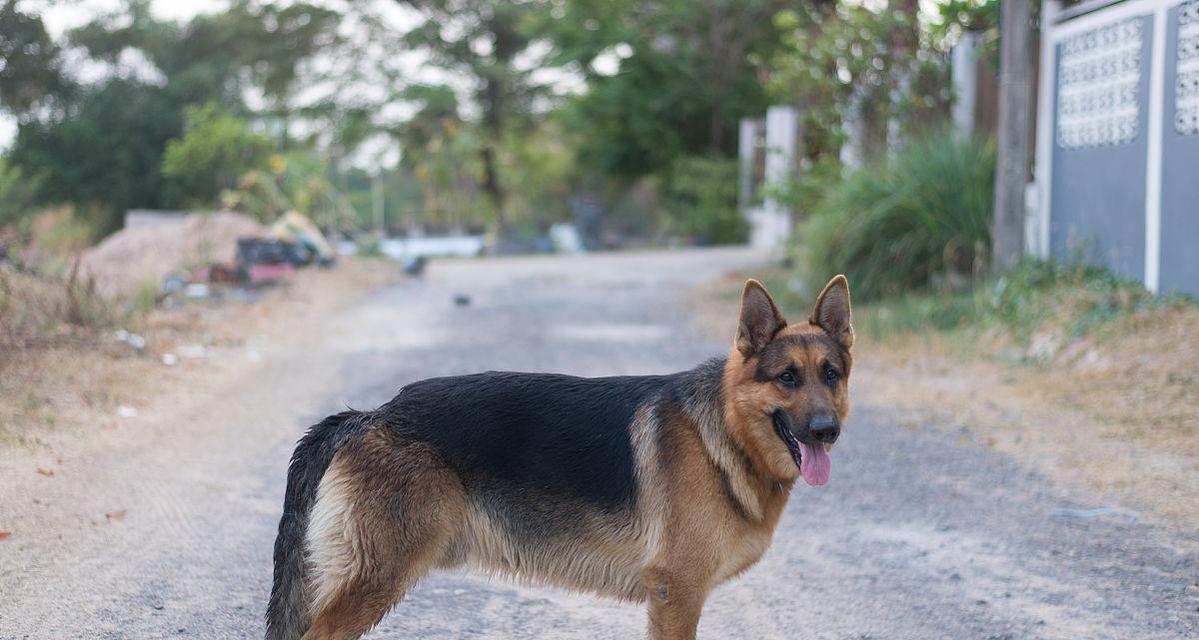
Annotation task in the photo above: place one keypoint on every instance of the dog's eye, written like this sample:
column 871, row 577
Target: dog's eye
column 831, row 375
column 787, row 378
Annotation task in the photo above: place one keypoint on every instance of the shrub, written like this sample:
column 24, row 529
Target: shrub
column 700, row 200
column 921, row 219
column 216, row 150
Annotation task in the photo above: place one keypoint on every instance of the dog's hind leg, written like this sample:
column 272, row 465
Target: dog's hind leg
column 384, row 515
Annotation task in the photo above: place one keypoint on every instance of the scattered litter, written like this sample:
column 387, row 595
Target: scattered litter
column 5, row 535
column 170, row 359
column 241, row 294
column 126, row 411
column 253, row 356
column 194, row 351
column 294, row 226
column 260, row 274
column 135, row 255
column 196, row 291
column 415, row 266
column 462, row 300
column 45, row 472
column 131, row 339
column 173, row 284
column 115, row 516
column 1091, row 513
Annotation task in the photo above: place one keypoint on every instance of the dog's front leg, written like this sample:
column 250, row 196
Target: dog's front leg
column 675, row 602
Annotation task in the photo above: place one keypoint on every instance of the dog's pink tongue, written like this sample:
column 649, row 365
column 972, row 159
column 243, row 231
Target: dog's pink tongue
column 814, row 464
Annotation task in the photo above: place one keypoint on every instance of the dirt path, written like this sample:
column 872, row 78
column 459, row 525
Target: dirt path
column 917, row 536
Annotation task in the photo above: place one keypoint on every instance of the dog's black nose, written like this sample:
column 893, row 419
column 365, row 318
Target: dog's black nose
column 825, row 427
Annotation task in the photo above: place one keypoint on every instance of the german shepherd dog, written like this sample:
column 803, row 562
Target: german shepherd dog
column 650, row 489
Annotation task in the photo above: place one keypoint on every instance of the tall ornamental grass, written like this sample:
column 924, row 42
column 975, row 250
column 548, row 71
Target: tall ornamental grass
column 921, row 219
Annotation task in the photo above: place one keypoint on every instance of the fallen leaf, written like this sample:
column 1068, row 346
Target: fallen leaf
column 5, row 535
column 115, row 516
column 46, row 472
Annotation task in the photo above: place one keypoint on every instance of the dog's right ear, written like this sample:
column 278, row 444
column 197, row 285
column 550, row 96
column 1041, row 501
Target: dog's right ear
column 760, row 319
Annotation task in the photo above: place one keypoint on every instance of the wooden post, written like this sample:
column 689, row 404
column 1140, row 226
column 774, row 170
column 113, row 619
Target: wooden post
column 1011, row 171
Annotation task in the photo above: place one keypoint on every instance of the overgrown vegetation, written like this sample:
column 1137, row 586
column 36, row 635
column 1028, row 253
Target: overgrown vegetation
column 918, row 220
column 1038, row 297
column 701, row 199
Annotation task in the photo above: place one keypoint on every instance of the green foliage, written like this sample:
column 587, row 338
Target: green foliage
column 493, row 43
column 18, row 193
column 1036, row 296
column 30, row 61
column 213, row 57
column 685, row 75
column 542, row 163
column 216, row 150
column 843, row 60
column 700, row 198
column 920, row 219
column 107, row 155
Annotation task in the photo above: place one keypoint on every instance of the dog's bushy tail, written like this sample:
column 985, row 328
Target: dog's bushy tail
column 287, row 615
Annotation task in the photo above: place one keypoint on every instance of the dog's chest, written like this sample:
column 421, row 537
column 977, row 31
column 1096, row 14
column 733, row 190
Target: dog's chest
column 743, row 547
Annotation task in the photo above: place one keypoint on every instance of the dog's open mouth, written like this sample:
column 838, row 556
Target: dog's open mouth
column 812, row 459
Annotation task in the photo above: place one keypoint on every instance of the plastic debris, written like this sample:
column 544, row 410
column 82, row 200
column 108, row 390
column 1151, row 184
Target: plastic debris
column 170, row 359
column 126, row 411
column 194, row 351
column 131, row 339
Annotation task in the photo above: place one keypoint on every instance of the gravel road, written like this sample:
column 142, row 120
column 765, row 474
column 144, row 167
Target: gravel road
column 916, row 536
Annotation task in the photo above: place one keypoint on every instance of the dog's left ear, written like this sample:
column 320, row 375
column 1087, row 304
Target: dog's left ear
column 833, row 312
column 760, row 319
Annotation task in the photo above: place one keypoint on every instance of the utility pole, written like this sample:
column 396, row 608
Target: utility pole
column 1011, row 171
column 377, row 203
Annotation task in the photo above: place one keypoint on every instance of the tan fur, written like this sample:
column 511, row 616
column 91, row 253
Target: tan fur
column 712, row 485
column 384, row 515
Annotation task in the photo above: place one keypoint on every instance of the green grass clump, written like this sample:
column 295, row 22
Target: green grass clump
column 919, row 219
column 1075, row 300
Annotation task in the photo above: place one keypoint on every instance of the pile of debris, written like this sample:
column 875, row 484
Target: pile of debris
column 185, row 255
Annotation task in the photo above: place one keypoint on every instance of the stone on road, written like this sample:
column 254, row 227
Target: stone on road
column 916, row 536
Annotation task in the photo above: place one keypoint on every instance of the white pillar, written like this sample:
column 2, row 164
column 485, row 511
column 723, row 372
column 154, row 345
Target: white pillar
column 964, row 69
column 771, row 225
column 747, row 154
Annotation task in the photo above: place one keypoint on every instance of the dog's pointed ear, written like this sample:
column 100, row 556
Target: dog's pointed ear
column 833, row 312
column 760, row 319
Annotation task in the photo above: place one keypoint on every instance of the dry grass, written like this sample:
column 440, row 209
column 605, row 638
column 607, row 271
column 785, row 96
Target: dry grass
column 1118, row 414
column 70, row 381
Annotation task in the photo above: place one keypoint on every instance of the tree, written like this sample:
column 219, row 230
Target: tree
column 107, row 155
column 30, row 62
column 216, row 150
column 685, row 74
column 102, row 147
column 483, row 39
column 18, row 192
column 440, row 150
column 1011, row 173
column 214, row 58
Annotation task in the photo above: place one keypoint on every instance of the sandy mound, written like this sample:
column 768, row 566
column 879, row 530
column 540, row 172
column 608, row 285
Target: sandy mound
column 144, row 256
